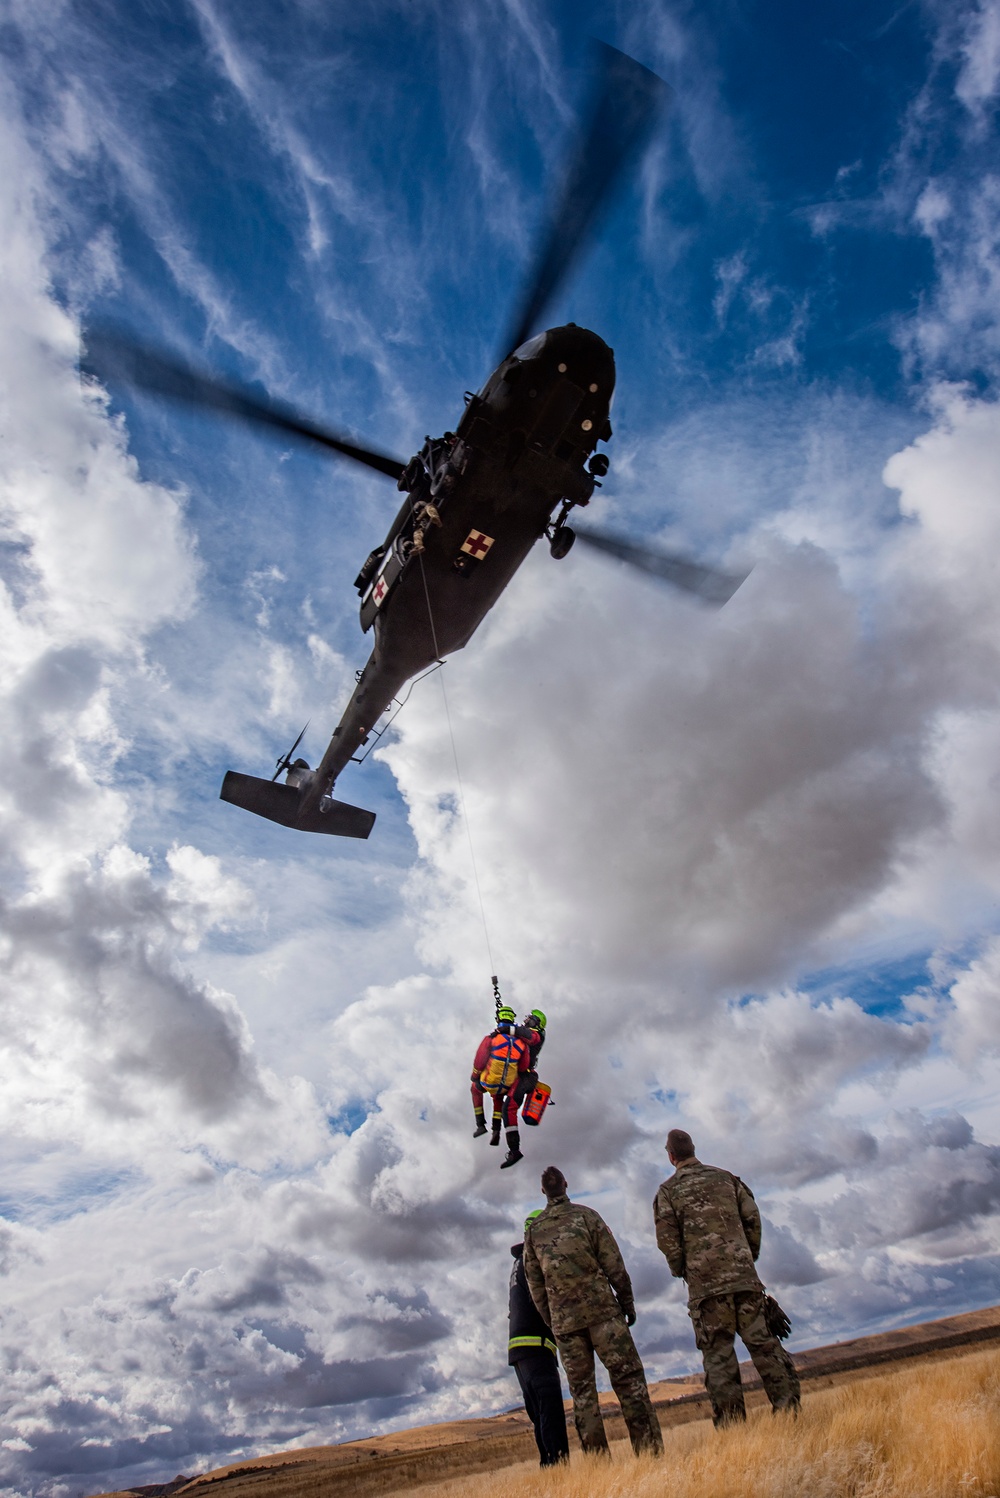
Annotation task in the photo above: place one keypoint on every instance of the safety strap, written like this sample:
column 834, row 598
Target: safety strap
column 509, row 1062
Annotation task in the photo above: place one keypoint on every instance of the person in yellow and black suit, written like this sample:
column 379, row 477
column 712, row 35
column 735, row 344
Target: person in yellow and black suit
column 531, row 1352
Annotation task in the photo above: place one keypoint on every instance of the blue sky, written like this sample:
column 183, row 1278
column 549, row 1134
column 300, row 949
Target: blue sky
column 749, row 863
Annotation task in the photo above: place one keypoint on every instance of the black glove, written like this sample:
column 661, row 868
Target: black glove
column 630, row 1317
column 778, row 1323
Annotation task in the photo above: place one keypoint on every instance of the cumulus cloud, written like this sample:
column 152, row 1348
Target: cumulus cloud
column 100, row 559
column 762, row 774
column 241, row 1207
column 972, row 1026
column 120, row 1065
column 97, row 555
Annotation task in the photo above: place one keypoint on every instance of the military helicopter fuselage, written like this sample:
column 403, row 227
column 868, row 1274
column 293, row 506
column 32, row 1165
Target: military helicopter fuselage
column 476, row 501
column 519, row 451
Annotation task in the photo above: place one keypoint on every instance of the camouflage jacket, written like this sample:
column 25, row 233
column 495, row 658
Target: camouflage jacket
column 574, row 1269
column 708, row 1226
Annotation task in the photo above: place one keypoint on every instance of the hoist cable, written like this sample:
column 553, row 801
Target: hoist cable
column 458, row 772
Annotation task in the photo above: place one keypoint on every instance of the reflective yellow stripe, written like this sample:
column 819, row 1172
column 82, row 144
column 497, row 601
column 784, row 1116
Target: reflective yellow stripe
column 531, row 1342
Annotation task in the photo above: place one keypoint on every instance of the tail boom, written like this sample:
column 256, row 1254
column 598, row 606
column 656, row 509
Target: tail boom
column 287, row 805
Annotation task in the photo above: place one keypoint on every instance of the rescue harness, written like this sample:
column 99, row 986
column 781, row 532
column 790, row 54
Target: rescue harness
column 500, row 1073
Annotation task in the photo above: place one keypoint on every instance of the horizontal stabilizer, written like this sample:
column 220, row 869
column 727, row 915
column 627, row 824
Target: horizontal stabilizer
column 280, row 803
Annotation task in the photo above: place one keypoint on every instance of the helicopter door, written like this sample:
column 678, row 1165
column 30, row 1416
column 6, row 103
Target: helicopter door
column 385, row 579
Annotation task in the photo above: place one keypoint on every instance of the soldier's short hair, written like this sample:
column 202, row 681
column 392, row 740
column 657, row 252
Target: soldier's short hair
column 553, row 1181
column 680, row 1144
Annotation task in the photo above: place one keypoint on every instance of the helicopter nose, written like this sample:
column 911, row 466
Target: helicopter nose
column 580, row 355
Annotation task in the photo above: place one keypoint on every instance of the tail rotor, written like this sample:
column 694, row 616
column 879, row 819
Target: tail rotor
column 285, row 762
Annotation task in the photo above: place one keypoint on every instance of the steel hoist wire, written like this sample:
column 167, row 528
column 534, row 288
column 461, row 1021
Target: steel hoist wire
column 458, row 779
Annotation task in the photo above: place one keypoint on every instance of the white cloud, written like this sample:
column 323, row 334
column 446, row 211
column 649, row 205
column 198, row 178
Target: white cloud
column 118, row 1063
column 972, row 1030
column 980, row 74
column 141, row 1128
column 242, row 1204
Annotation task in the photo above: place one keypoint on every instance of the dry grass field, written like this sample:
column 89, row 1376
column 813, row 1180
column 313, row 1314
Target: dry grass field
column 931, row 1431
column 906, row 1413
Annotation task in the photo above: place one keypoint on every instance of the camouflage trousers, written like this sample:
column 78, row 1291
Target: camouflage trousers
column 717, row 1320
column 612, row 1342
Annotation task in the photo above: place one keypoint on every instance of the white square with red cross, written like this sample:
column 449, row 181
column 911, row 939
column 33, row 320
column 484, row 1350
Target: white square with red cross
column 476, row 544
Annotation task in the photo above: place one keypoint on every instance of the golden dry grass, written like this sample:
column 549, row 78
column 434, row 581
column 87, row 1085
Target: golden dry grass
column 927, row 1432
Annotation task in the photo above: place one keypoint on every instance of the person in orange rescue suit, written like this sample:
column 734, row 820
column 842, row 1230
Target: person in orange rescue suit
column 500, row 1063
column 708, row 1226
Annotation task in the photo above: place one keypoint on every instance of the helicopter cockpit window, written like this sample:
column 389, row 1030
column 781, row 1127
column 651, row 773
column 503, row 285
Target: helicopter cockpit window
column 531, row 348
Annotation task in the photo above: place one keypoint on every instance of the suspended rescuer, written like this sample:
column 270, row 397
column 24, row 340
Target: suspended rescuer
column 531, row 1352
column 533, row 1095
column 501, row 1060
column 532, row 1031
column 581, row 1287
column 708, row 1226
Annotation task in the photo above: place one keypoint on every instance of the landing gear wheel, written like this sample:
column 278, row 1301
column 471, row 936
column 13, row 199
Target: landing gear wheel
column 562, row 540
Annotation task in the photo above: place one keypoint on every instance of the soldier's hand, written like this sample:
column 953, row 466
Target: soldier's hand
column 630, row 1317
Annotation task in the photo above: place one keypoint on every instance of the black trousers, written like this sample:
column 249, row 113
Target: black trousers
column 538, row 1375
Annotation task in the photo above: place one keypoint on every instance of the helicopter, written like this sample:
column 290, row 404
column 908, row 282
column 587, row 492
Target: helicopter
column 475, row 500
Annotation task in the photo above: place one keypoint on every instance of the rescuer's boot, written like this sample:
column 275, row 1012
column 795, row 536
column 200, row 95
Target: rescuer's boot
column 480, row 1124
column 497, row 1125
column 513, row 1149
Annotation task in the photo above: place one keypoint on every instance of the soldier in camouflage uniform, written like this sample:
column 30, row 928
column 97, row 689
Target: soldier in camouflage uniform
column 708, row 1226
column 582, row 1289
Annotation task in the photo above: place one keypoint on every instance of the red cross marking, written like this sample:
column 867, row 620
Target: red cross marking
column 476, row 544
column 379, row 591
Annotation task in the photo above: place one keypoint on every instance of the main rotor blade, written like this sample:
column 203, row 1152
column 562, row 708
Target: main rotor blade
column 114, row 355
column 626, row 103
column 708, row 583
